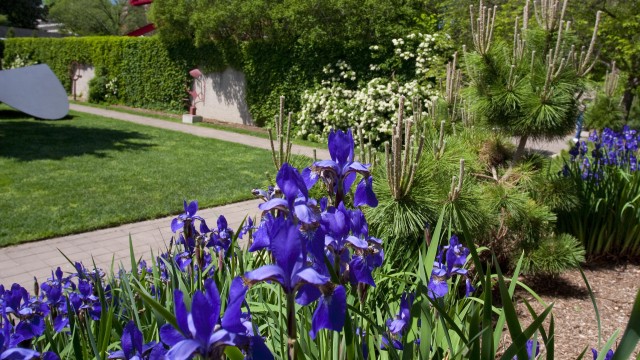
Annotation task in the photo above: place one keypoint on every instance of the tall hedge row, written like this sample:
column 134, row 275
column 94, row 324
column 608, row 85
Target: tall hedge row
column 147, row 72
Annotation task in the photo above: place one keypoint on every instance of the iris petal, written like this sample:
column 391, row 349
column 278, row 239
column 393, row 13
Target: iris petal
column 170, row 336
column 364, row 193
column 307, row 294
column 231, row 319
column 311, row 276
column 330, row 313
column 181, row 312
column 202, row 317
column 286, row 245
column 266, row 272
column 183, row 350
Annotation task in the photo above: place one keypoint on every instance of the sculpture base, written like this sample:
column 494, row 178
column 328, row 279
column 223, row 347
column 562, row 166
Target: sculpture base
column 190, row 119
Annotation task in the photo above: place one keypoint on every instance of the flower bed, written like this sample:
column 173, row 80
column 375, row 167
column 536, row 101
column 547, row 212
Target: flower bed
column 205, row 297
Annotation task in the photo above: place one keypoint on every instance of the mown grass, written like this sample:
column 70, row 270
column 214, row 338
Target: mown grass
column 87, row 172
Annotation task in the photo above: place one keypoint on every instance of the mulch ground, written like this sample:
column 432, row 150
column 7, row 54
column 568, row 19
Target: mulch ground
column 615, row 286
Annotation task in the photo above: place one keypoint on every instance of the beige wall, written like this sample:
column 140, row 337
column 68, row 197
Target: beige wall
column 224, row 95
column 86, row 73
column 225, row 98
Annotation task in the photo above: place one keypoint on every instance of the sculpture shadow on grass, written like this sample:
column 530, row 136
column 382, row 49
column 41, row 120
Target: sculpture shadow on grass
column 25, row 140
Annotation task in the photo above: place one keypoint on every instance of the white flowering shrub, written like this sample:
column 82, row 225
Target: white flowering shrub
column 345, row 99
column 19, row 62
column 111, row 88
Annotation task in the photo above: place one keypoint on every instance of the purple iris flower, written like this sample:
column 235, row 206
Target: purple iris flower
column 609, row 355
column 183, row 260
column 201, row 331
column 57, row 277
column 364, row 261
column 177, row 224
column 583, row 148
column 221, row 238
column 133, row 347
column 58, row 304
column 184, row 223
column 286, row 248
column 402, row 319
column 349, row 246
column 339, row 173
column 445, row 267
column 586, row 165
column 9, row 351
column 83, row 273
column 296, row 201
column 29, row 310
column 398, row 324
column 291, row 271
column 530, row 353
column 85, row 300
column 247, row 228
column 456, row 253
column 574, row 151
column 261, row 236
column 396, row 343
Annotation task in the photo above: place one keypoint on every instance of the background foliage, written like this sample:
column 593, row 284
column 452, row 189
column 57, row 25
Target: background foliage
column 147, row 73
column 21, row 13
column 96, row 17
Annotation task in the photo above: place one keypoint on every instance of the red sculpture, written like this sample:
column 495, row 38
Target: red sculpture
column 198, row 84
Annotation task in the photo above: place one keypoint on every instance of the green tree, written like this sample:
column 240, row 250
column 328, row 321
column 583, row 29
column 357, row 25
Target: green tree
column 620, row 38
column 97, row 17
column 285, row 44
column 172, row 19
column 23, row 13
column 529, row 88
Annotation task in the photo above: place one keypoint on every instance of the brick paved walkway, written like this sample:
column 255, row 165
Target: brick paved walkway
column 20, row 263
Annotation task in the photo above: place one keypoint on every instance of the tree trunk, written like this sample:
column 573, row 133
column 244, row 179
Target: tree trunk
column 520, row 149
column 629, row 94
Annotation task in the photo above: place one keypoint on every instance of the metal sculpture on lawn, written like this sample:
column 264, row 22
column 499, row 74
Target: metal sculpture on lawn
column 34, row 90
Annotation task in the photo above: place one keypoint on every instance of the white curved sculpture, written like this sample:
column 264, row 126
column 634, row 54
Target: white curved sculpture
column 34, row 90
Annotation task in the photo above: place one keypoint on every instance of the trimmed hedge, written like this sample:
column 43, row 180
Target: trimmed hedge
column 146, row 72
column 1, row 52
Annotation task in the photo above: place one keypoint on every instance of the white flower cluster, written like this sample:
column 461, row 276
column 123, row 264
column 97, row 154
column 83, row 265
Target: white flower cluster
column 373, row 105
column 341, row 72
column 112, row 88
column 19, row 62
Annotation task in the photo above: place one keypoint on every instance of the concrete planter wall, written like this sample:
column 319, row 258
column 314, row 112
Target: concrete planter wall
column 224, row 95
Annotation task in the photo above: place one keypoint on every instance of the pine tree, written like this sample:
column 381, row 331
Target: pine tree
column 530, row 88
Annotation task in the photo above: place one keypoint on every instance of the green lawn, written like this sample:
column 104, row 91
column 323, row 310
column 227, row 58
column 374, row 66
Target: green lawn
column 88, row 172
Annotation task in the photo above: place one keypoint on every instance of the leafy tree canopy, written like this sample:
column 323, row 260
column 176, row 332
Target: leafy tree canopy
column 97, row 17
column 22, row 13
column 314, row 21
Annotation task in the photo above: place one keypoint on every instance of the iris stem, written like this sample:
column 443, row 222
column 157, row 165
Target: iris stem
column 291, row 326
